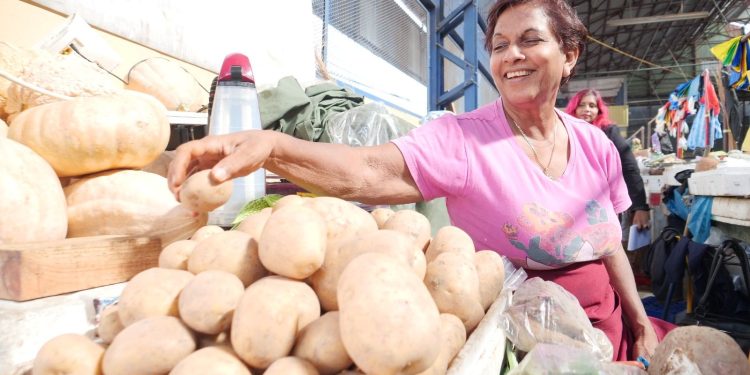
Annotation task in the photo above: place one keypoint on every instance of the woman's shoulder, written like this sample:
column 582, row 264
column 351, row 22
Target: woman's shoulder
column 486, row 112
column 468, row 121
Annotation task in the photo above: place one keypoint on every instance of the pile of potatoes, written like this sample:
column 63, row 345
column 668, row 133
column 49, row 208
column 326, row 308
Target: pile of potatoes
column 310, row 286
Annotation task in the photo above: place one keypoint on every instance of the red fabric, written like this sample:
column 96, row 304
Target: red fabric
column 709, row 96
column 589, row 282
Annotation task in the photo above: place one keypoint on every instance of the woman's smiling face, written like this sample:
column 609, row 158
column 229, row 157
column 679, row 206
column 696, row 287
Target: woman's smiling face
column 526, row 60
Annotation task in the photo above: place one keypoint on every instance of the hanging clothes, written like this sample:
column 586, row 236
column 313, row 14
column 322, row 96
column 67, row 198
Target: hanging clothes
column 734, row 54
column 706, row 128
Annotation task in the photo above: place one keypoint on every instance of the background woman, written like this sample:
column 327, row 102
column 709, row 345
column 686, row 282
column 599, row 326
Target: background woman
column 588, row 105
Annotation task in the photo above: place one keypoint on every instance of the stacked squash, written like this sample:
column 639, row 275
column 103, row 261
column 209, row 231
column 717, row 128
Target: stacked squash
column 96, row 143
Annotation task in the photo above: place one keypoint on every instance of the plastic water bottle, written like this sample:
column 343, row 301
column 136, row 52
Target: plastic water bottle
column 234, row 108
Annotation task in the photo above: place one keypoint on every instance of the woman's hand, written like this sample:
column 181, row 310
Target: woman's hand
column 645, row 341
column 641, row 219
column 229, row 156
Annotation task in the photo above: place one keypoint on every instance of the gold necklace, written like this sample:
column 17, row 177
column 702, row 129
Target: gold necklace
column 545, row 170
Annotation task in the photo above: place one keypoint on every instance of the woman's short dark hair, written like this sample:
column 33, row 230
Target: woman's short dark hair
column 564, row 23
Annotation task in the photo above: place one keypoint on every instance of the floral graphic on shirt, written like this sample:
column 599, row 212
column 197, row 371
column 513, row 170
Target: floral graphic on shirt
column 553, row 239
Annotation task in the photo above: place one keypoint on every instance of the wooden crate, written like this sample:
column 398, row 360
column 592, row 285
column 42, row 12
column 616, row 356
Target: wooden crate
column 41, row 269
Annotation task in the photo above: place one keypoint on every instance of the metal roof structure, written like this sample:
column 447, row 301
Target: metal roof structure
column 654, row 44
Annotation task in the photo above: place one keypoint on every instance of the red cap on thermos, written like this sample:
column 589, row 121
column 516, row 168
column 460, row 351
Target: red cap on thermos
column 236, row 67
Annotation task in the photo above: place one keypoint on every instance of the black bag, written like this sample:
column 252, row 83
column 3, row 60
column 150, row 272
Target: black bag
column 721, row 277
column 665, row 141
column 653, row 264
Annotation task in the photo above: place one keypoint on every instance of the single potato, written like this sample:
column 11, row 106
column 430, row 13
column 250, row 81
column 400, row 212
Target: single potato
column 293, row 242
column 320, row 343
column 413, row 224
column 69, row 354
column 450, row 239
column 152, row 292
column 389, row 323
column 207, row 302
column 206, row 231
column 231, row 251
column 175, row 255
column 268, row 318
column 201, row 194
column 149, row 346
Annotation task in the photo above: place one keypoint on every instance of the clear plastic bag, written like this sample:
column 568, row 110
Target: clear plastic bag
column 544, row 312
column 367, row 125
column 559, row 359
column 485, row 347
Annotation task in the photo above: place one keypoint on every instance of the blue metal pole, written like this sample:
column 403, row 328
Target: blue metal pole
column 471, row 26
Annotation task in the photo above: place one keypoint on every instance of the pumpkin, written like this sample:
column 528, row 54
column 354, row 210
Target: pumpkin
column 169, row 82
column 130, row 203
column 32, row 207
column 12, row 60
column 68, row 75
column 94, row 134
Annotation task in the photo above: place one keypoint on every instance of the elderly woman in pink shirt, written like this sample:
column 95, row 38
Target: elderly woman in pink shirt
column 530, row 182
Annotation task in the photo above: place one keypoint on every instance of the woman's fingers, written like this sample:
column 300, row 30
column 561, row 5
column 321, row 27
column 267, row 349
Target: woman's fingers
column 193, row 156
column 641, row 219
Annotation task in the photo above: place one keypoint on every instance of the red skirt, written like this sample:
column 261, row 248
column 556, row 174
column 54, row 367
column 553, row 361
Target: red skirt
column 589, row 282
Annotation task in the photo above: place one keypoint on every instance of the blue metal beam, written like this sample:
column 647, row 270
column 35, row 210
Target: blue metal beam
column 451, row 56
column 442, row 27
column 454, row 18
column 471, row 24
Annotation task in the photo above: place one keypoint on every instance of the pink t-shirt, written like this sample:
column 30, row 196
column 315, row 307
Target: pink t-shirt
column 502, row 199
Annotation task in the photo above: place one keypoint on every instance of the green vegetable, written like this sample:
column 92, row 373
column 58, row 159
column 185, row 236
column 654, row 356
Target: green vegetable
column 510, row 357
column 255, row 206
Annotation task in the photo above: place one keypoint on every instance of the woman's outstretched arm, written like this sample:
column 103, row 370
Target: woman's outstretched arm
column 374, row 175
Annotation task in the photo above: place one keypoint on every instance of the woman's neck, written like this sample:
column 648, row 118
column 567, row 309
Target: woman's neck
column 537, row 123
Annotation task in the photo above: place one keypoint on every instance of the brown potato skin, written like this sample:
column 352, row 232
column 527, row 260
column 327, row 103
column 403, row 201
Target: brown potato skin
column 231, row 251
column 452, row 339
column 394, row 243
column 208, row 301
column 69, row 354
column 378, row 294
column 149, row 346
column 320, row 343
column 454, row 286
column 206, row 231
column 254, row 224
column 291, row 366
column 153, row 292
column 491, row 272
column 268, row 318
column 175, row 255
column 201, row 194
column 450, row 239
column 293, row 242
column 412, row 223
column 211, row 360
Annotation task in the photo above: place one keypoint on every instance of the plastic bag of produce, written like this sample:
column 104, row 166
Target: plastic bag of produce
column 544, row 312
column 367, row 125
column 558, row 359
